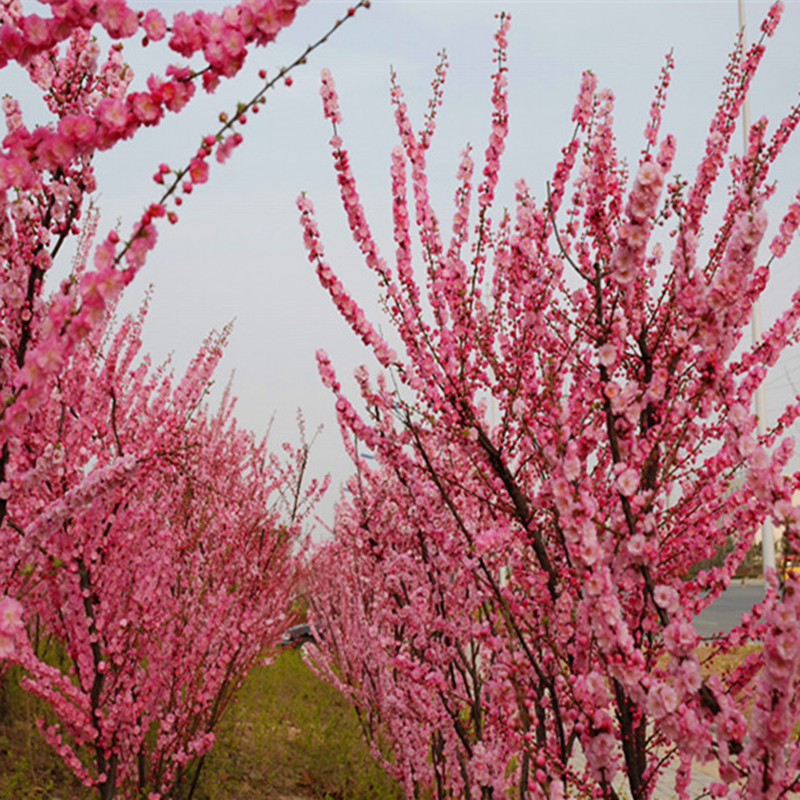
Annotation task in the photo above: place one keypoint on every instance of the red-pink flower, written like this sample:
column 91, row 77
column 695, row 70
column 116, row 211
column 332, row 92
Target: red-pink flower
column 154, row 24
column 628, row 482
column 146, row 108
column 198, row 170
column 112, row 112
column 117, row 18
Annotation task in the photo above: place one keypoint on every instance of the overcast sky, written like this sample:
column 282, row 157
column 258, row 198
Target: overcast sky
column 237, row 251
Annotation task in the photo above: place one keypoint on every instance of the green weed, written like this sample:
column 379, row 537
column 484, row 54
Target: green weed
column 288, row 736
column 291, row 735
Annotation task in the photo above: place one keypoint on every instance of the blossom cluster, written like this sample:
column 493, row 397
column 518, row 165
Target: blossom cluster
column 330, row 101
column 629, row 254
column 787, row 230
column 11, row 624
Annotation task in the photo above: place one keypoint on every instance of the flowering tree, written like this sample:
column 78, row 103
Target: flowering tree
column 150, row 540
column 47, row 173
column 155, row 549
column 510, row 596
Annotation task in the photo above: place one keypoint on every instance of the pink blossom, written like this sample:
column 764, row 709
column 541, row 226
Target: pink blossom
column 330, row 100
column 624, row 264
column 198, row 170
column 80, row 128
column 583, row 106
column 225, row 148
column 688, row 678
column 787, row 229
column 145, row 108
column 10, row 615
column 37, row 30
column 649, row 175
column 119, row 21
column 572, row 466
column 607, row 354
column 556, row 790
column 154, row 24
column 589, row 550
column 112, row 113
column 667, row 598
column 661, row 700
column 7, row 645
column 637, row 545
column 612, row 390
column 628, row 482
column 680, row 637
column 187, row 37
column 773, row 17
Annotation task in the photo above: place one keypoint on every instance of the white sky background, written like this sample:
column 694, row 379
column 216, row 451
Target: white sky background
column 237, row 250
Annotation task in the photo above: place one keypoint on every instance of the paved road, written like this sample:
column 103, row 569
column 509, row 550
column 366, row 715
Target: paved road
column 727, row 610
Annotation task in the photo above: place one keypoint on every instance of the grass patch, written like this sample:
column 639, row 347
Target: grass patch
column 289, row 736
column 29, row 769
